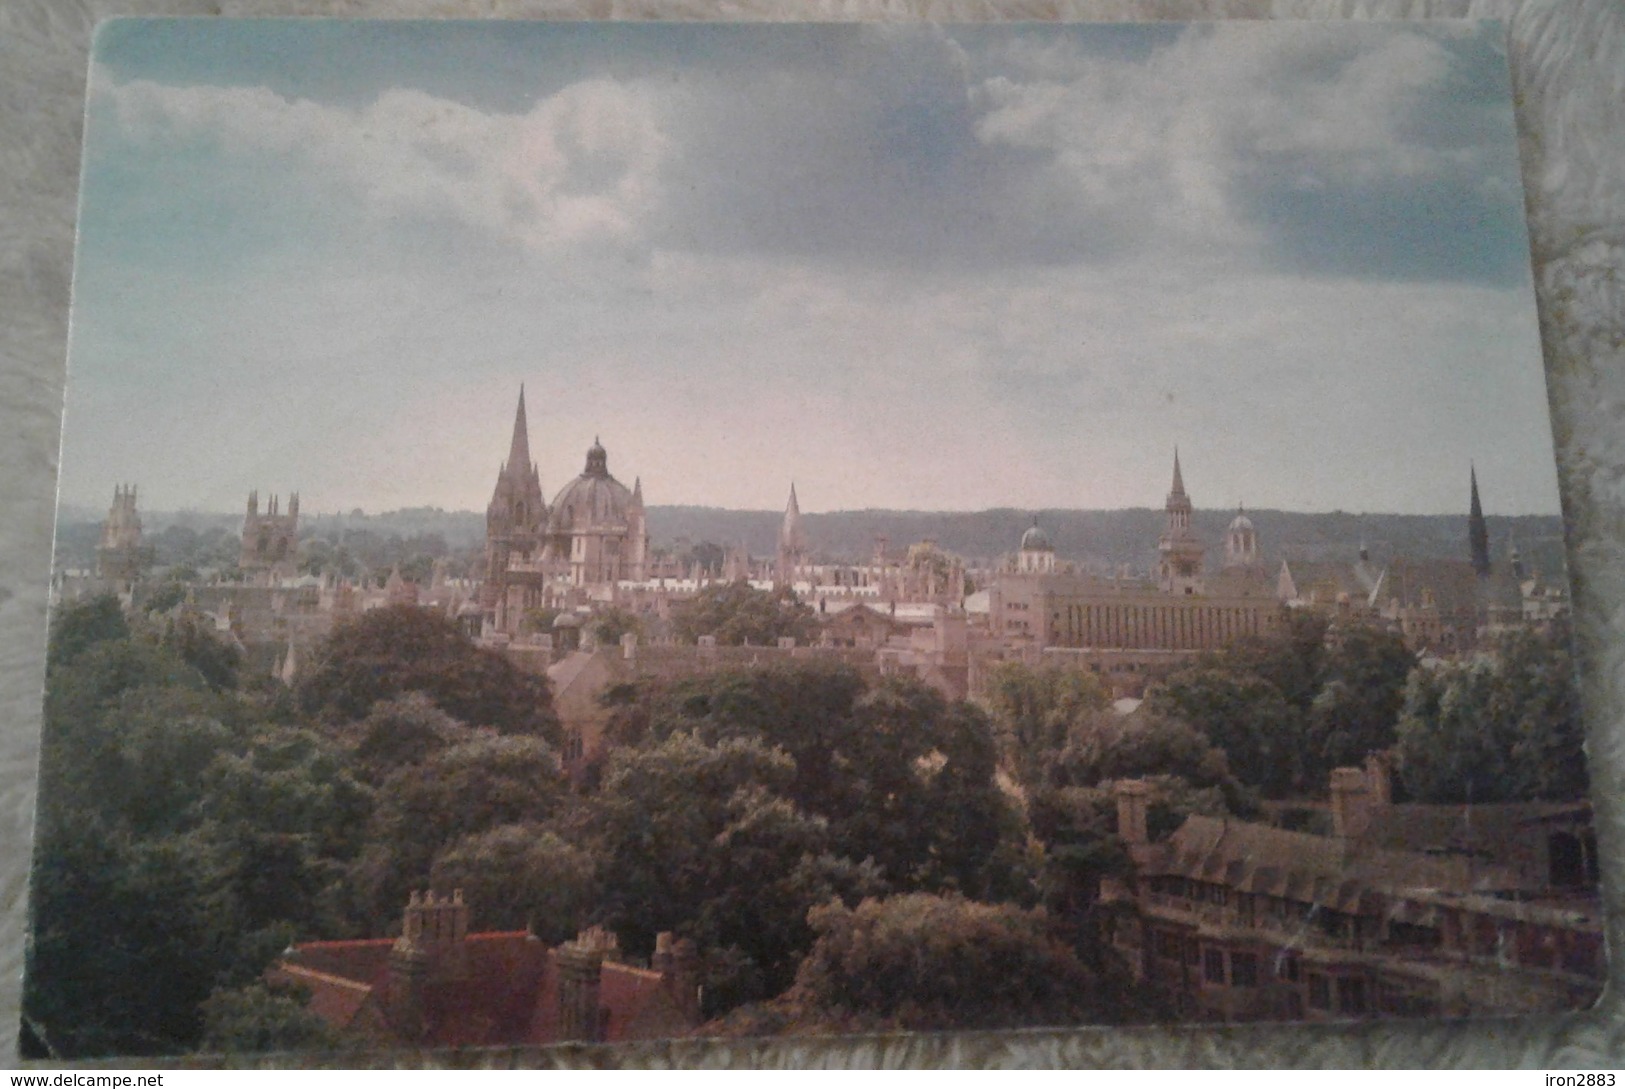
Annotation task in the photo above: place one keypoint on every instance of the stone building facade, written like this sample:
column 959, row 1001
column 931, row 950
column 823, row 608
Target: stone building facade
column 118, row 554
column 270, row 547
column 594, row 535
column 1139, row 625
column 1402, row 911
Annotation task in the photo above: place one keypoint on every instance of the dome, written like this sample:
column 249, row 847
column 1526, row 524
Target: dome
column 592, row 499
column 1240, row 522
column 1035, row 540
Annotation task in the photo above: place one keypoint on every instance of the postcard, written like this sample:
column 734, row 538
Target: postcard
column 609, row 532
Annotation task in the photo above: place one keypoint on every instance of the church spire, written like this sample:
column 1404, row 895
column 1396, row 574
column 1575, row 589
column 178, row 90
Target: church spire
column 790, row 536
column 1180, row 566
column 792, row 545
column 1478, row 534
column 519, row 449
column 1178, row 506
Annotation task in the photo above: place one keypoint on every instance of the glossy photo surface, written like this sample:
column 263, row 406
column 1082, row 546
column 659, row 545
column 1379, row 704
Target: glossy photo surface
column 612, row 532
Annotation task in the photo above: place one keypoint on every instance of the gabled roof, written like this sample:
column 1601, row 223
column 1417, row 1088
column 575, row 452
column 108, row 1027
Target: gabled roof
column 506, row 994
column 1321, row 869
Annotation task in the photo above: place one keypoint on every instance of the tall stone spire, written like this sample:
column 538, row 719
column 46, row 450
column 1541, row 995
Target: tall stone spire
column 1181, row 554
column 515, row 518
column 792, row 544
column 1478, row 534
column 790, row 536
column 519, row 449
column 1178, row 506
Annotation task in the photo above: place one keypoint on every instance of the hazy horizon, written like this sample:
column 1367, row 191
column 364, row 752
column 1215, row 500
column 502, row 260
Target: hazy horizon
column 90, row 512
column 932, row 268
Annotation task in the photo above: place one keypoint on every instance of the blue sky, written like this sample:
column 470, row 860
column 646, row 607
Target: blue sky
column 923, row 267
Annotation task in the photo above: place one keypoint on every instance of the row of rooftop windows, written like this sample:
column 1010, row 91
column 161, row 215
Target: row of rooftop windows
column 1345, row 994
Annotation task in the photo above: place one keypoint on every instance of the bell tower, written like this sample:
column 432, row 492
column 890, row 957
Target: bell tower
column 517, row 515
column 1179, row 568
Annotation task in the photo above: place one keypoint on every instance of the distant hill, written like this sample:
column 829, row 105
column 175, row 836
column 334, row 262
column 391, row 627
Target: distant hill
column 1107, row 539
column 1095, row 539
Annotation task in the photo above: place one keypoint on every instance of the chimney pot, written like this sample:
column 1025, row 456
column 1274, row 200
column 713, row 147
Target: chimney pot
column 1351, row 802
column 1133, row 800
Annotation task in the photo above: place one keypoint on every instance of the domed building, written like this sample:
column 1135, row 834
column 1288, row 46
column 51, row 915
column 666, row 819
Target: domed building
column 594, row 534
column 597, row 525
column 1037, row 555
column 1240, row 542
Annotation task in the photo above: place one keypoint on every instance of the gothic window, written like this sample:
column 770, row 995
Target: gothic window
column 1213, row 967
column 1320, row 992
column 1243, row 970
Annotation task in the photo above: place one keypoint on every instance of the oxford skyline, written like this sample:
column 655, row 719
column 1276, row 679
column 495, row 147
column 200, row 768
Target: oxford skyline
column 926, row 268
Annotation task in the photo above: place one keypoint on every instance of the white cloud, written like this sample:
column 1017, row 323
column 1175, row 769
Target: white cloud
column 1173, row 130
column 582, row 164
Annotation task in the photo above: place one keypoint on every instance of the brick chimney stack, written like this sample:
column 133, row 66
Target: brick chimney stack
column 1379, row 775
column 438, row 926
column 1352, row 800
column 678, row 962
column 580, row 969
column 1133, row 800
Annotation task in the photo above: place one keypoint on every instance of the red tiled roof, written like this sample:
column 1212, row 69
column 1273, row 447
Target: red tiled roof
column 334, row 1000
column 625, row 993
column 506, row 994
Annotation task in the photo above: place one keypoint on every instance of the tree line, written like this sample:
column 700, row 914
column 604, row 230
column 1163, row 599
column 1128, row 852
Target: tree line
column 847, row 853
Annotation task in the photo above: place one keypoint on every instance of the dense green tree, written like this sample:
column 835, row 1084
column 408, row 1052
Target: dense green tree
column 148, row 772
column 216, row 660
column 521, row 876
column 900, row 775
column 737, row 613
column 1292, row 658
column 389, row 652
column 1081, row 847
column 1357, row 708
column 1108, row 746
column 402, row 731
column 1245, row 716
column 127, row 940
column 699, row 838
column 164, row 598
column 458, row 792
column 919, row 963
column 184, row 836
column 1036, row 712
column 1500, row 727
column 78, row 626
column 255, row 1019
column 290, row 780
